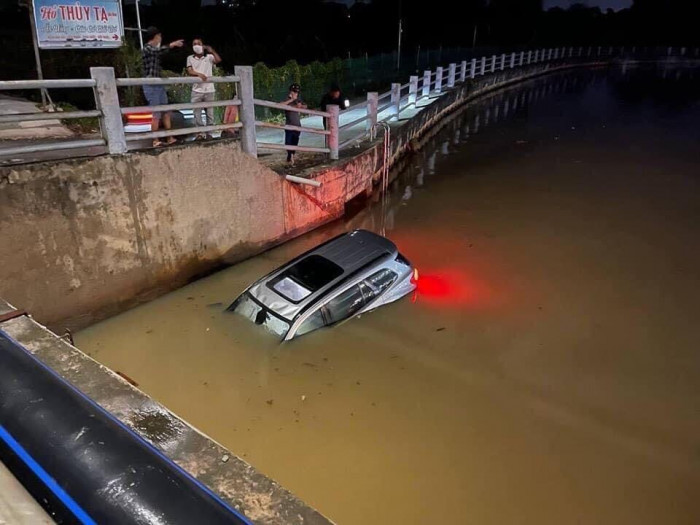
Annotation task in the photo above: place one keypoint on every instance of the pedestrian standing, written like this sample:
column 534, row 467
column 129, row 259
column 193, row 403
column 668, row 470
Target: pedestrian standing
column 201, row 65
column 293, row 118
column 156, row 95
column 333, row 97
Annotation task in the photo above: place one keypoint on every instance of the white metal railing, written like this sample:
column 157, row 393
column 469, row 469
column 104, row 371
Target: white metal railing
column 379, row 107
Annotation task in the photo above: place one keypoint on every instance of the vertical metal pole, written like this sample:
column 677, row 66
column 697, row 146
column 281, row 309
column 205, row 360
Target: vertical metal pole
column 438, row 79
column 522, row 58
column 37, row 56
column 334, row 110
column 493, row 63
column 483, row 65
column 452, row 71
column 108, row 103
column 512, row 60
column 138, row 23
column 413, row 90
column 247, row 110
column 372, row 105
column 396, row 98
column 427, row 77
column 398, row 53
column 472, row 71
column 463, row 73
column 503, row 61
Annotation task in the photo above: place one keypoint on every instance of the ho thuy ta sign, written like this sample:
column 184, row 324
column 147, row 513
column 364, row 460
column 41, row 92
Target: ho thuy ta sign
column 83, row 24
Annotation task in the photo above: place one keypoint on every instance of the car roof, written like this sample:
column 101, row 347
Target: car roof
column 351, row 251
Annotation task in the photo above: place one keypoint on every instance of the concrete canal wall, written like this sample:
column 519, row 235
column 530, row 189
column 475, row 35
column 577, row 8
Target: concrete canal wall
column 83, row 239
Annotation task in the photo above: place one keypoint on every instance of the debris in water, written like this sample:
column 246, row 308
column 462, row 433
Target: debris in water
column 357, row 382
column 149, row 331
column 270, row 401
column 190, row 298
column 214, row 305
column 126, row 378
column 310, row 365
column 225, row 458
column 303, row 397
column 205, row 383
column 440, row 329
column 207, row 329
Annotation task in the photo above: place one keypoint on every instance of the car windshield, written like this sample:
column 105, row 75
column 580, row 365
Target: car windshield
column 251, row 310
column 305, row 277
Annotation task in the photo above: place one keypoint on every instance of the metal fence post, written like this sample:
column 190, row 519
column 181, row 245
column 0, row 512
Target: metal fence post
column 522, row 57
column 396, row 98
column 372, row 106
column 333, row 126
column 463, row 72
column 472, row 72
column 451, row 75
column 512, row 60
column 493, row 63
column 413, row 90
column 427, row 78
column 438, row 79
column 108, row 103
column 247, row 110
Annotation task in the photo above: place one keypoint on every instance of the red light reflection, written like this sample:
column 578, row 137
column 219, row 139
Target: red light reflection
column 452, row 288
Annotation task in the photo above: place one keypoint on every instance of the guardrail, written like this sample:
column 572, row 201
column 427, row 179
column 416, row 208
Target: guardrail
column 377, row 108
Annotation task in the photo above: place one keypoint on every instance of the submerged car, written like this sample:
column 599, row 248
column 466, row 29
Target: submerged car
column 344, row 277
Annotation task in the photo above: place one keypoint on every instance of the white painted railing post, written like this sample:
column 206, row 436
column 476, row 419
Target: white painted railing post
column 427, row 79
column 529, row 57
column 413, row 90
column 522, row 58
column 670, row 50
column 395, row 98
column 108, row 103
column 535, row 56
column 247, row 110
column 599, row 50
column 372, row 106
column 472, row 71
column 334, row 128
column 483, row 65
column 580, row 51
column 493, row 63
column 463, row 73
column 438, row 79
column 503, row 61
column 451, row 72
column 512, row 60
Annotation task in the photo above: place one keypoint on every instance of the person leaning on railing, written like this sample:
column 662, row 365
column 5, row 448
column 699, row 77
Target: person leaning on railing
column 156, row 95
column 293, row 118
column 201, row 65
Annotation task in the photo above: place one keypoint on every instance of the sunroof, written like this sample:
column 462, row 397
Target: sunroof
column 310, row 274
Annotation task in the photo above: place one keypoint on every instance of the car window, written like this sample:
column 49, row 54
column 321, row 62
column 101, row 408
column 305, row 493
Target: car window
column 382, row 280
column 251, row 310
column 313, row 322
column 346, row 304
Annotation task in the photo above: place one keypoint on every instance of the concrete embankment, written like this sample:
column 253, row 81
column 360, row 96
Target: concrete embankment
column 83, row 239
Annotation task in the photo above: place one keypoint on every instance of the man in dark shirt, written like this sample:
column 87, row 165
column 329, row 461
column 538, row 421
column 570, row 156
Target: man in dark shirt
column 156, row 95
column 333, row 98
column 293, row 118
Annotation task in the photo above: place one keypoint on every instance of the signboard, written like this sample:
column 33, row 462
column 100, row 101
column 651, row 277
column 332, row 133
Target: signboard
column 79, row 24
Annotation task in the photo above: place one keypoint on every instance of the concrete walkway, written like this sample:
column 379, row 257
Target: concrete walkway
column 30, row 129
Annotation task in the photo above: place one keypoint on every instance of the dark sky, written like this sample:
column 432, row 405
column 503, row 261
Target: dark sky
column 604, row 4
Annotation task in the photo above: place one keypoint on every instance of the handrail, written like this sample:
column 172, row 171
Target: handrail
column 289, row 127
column 55, row 115
column 285, row 147
column 177, row 107
column 47, row 84
column 151, row 81
column 185, row 131
column 51, row 146
column 354, row 122
column 284, row 107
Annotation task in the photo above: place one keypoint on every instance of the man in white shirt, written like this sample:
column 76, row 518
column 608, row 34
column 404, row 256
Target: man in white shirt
column 201, row 65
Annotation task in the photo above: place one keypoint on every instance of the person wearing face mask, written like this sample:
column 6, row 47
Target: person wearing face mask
column 201, row 65
column 156, row 95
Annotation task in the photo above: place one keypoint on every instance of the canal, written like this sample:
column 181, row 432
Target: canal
column 547, row 371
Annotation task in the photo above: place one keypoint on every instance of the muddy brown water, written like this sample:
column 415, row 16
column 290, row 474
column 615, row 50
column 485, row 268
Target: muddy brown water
column 548, row 371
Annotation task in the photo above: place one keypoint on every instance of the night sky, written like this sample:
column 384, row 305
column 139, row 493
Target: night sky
column 604, row 4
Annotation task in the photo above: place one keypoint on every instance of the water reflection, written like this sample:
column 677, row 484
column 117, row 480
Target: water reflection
column 547, row 371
